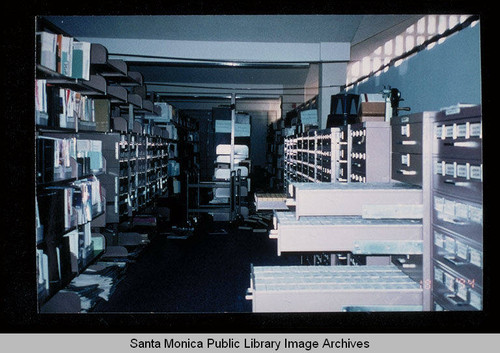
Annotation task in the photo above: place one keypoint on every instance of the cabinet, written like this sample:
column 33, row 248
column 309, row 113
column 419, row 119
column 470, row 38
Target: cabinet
column 370, row 152
column 457, row 209
column 349, row 153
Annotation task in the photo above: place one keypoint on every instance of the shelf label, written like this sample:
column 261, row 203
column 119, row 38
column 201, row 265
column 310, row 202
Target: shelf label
column 462, row 130
column 449, row 207
column 449, row 282
column 405, row 159
column 462, row 290
column 476, row 214
column 476, row 258
column 462, row 250
column 449, row 244
column 476, row 172
column 449, row 131
column 450, row 169
column 452, row 110
column 438, row 275
column 462, row 170
column 438, row 131
column 438, row 204
column 475, row 300
column 475, row 130
column 438, row 239
column 440, row 168
column 405, row 130
column 461, row 210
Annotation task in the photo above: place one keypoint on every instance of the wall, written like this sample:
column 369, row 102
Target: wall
column 445, row 75
column 311, row 86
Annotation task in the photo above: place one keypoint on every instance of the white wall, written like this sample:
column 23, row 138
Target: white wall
column 311, row 86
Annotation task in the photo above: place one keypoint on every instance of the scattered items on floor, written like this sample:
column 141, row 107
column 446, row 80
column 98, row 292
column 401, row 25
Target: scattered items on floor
column 115, row 253
column 180, row 232
column 144, row 221
column 257, row 223
column 98, row 282
column 220, row 231
column 132, row 238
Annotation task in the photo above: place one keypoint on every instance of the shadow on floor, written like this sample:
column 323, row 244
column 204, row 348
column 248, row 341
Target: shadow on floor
column 206, row 273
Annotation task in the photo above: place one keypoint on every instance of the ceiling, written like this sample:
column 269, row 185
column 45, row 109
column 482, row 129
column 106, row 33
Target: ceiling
column 364, row 32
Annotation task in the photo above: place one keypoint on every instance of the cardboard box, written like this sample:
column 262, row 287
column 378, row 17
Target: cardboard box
column 372, row 109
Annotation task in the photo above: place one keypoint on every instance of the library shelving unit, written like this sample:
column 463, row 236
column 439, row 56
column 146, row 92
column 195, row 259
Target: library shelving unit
column 282, row 144
column 351, row 153
column 275, row 149
column 99, row 162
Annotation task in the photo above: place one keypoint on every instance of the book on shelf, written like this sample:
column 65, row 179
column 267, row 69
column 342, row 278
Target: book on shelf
column 65, row 53
column 38, row 224
column 73, row 246
column 165, row 116
column 97, row 195
column 83, row 201
column 88, row 199
column 95, row 154
column 47, row 50
column 56, row 52
column 86, row 239
column 67, row 212
column 64, row 260
column 91, row 150
column 67, row 116
column 61, row 107
column 41, row 113
column 102, row 112
column 173, row 168
column 53, row 157
column 54, row 212
column 81, row 60
column 42, row 271
column 54, row 105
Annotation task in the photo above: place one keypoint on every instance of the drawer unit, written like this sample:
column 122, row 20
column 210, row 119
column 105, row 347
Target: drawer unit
column 341, row 199
column 458, row 132
column 458, row 215
column 457, row 209
column 332, row 289
column 407, row 137
column 458, row 177
column 407, row 167
column 455, row 291
column 343, row 158
column 345, row 234
column 344, row 133
column 343, row 171
column 459, row 253
column 370, row 152
column 314, row 156
column 410, row 134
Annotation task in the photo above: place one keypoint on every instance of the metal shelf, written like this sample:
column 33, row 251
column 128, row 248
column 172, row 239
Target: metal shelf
column 331, row 288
